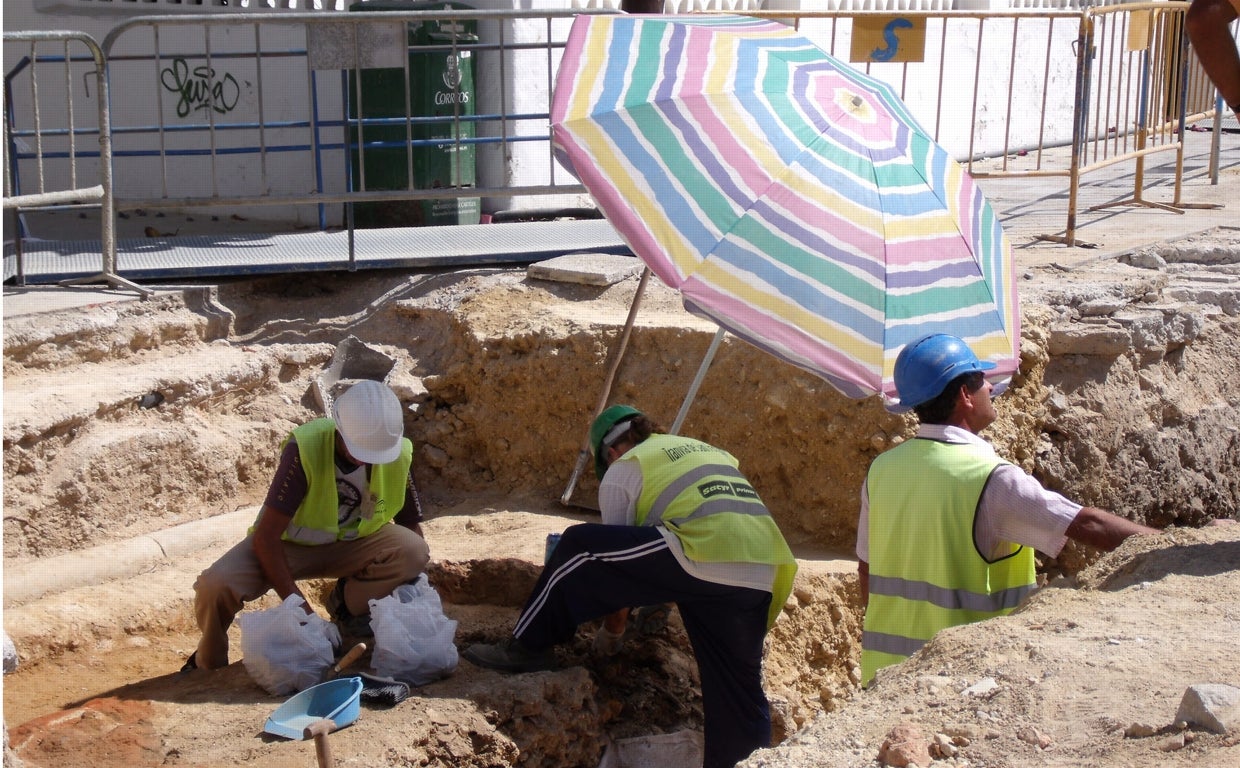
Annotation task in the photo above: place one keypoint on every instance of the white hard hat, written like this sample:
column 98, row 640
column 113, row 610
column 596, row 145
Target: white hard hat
column 368, row 417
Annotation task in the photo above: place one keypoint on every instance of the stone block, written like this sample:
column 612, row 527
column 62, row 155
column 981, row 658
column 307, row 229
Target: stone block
column 1213, row 706
column 586, row 268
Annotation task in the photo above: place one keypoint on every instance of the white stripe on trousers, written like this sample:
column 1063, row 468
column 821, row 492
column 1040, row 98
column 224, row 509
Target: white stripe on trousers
column 576, row 561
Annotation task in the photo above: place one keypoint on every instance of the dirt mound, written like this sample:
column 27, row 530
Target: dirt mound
column 1072, row 678
column 124, row 421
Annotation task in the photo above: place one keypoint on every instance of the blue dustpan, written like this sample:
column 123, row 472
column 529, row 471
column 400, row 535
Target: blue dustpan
column 337, row 700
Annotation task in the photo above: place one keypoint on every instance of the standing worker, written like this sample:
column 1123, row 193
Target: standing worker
column 1208, row 24
column 343, row 504
column 681, row 525
column 947, row 528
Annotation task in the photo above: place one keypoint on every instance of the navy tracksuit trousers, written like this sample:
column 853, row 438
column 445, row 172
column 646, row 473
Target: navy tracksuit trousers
column 598, row 569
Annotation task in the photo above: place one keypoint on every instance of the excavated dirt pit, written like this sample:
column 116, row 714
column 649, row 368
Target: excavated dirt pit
column 125, row 421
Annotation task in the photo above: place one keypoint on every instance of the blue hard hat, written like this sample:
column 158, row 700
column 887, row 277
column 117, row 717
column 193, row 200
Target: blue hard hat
column 926, row 366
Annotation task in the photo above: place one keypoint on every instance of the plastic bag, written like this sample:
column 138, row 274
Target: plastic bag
column 10, row 654
column 286, row 649
column 413, row 638
column 679, row 748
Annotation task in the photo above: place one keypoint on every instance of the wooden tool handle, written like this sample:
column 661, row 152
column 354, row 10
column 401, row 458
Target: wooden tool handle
column 318, row 730
column 353, row 655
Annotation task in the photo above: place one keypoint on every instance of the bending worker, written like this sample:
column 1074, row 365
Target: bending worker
column 343, row 505
column 681, row 525
column 947, row 528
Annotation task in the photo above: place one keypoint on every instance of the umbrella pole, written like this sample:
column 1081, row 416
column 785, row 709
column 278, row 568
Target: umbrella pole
column 617, row 353
column 697, row 381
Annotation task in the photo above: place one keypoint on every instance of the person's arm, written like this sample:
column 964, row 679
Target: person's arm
column 1207, row 25
column 863, row 580
column 618, row 493
column 410, row 515
column 641, row 6
column 288, row 489
column 1099, row 528
column 269, row 549
column 863, row 547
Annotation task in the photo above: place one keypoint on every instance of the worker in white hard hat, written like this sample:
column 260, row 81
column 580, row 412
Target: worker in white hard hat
column 947, row 528
column 343, row 504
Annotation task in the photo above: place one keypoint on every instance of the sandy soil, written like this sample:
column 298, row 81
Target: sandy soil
column 1076, row 677
column 1124, row 400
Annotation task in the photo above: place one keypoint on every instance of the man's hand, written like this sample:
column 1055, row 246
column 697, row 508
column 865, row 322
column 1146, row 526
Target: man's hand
column 648, row 620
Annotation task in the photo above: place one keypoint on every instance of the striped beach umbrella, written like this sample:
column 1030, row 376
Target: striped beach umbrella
column 792, row 199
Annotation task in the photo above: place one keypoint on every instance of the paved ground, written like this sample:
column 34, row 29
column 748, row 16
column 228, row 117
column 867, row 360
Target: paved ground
column 1037, row 206
column 1030, row 207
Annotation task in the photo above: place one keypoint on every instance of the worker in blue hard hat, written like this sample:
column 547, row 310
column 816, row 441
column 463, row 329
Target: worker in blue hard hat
column 681, row 525
column 948, row 529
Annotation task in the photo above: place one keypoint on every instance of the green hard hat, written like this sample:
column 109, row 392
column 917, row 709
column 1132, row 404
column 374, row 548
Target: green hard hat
column 601, row 426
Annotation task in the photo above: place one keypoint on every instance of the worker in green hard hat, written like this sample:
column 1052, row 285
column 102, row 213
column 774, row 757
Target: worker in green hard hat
column 681, row 525
column 947, row 528
column 599, row 429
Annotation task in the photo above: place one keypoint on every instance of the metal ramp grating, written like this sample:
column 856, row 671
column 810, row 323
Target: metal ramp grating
column 205, row 256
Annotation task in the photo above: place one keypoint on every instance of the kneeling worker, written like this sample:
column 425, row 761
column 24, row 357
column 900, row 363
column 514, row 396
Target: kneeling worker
column 947, row 530
column 343, row 504
column 681, row 525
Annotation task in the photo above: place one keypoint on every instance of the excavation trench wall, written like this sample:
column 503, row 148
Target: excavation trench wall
column 123, row 421
column 1121, row 401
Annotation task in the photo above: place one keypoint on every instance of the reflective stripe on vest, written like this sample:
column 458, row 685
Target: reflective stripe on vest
column 951, row 599
column 677, row 476
column 316, row 520
column 300, row 534
column 741, row 498
column 696, row 491
column 894, row 645
column 925, row 571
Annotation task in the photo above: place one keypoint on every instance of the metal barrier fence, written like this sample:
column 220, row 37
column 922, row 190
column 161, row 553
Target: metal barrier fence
column 1140, row 89
column 1114, row 83
column 59, row 143
column 249, row 110
column 250, row 89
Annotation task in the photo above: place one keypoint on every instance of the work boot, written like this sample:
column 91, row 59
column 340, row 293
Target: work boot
column 348, row 624
column 510, row 655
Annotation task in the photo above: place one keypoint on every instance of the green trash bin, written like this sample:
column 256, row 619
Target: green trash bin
column 440, row 83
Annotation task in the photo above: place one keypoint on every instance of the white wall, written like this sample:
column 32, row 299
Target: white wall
column 286, row 97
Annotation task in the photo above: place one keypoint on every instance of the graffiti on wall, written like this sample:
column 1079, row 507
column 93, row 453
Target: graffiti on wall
column 200, row 88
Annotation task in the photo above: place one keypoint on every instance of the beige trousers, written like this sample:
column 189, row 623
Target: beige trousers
column 376, row 565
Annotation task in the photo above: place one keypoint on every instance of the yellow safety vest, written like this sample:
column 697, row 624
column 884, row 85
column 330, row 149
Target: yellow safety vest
column 926, row 572
column 696, row 491
column 317, row 518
